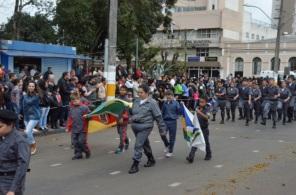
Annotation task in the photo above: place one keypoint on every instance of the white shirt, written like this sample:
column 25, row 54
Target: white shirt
column 143, row 101
column 172, row 82
column 129, row 84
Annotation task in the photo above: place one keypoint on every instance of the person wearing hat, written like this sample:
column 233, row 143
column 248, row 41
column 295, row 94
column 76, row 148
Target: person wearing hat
column 221, row 96
column 14, row 155
column 270, row 96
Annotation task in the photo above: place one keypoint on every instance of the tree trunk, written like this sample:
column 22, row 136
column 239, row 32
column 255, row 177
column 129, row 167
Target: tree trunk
column 15, row 19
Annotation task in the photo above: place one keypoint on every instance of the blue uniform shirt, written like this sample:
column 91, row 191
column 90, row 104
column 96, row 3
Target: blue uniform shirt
column 171, row 110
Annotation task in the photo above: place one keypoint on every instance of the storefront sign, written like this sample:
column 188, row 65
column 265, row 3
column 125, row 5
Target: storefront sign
column 199, row 43
column 211, row 59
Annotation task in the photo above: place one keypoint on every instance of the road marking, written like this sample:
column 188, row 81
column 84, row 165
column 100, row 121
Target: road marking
column 115, row 173
column 160, row 158
column 156, row 141
column 117, row 138
column 173, row 185
column 56, row 165
column 255, row 151
column 281, row 141
column 219, row 166
column 233, row 137
column 258, row 130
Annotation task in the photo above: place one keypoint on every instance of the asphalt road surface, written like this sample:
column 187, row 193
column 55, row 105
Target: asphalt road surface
column 253, row 160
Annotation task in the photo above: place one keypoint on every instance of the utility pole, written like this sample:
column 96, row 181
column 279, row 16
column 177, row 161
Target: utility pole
column 106, row 58
column 278, row 40
column 137, row 53
column 111, row 78
column 185, row 49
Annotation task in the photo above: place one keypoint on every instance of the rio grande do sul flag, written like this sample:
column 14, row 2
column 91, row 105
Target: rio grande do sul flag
column 192, row 131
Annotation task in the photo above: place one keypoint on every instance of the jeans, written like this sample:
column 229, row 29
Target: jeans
column 43, row 118
column 172, row 127
column 30, row 125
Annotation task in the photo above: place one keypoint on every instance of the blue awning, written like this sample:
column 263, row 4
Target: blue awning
column 37, row 54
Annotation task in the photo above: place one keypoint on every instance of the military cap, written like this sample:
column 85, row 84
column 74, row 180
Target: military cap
column 7, row 115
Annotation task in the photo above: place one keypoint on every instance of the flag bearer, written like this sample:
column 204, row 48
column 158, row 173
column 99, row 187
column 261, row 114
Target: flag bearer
column 203, row 115
column 122, row 123
column 77, row 125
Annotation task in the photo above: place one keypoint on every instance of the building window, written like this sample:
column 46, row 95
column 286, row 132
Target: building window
column 207, row 33
column 202, row 52
column 247, row 35
column 292, row 64
column 257, row 63
column 239, row 67
column 262, row 38
column 253, row 36
column 213, row 7
column 272, row 61
column 257, row 37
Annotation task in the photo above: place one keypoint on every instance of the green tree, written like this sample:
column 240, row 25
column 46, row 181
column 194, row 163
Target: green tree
column 84, row 23
column 36, row 28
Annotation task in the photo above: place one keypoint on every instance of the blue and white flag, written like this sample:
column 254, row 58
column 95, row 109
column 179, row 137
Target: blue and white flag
column 192, row 131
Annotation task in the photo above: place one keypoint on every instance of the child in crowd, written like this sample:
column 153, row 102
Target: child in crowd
column 77, row 125
column 203, row 115
column 122, row 122
column 170, row 111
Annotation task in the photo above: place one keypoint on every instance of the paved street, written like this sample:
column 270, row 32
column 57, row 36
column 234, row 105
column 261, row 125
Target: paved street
column 254, row 160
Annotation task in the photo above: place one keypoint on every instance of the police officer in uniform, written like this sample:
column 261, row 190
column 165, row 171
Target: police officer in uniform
column 270, row 96
column 256, row 98
column 221, row 96
column 14, row 155
column 232, row 94
column 247, row 100
column 292, row 105
column 283, row 102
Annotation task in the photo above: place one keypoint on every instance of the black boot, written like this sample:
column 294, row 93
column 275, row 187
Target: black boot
column 247, row 123
column 151, row 162
column 228, row 115
column 126, row 144
column 274, row 125
column 214, row 117
column 87, row 154
column 191, row 155
column 240, row 113
column 134, row 168
column 263, row 121
column 208, row 157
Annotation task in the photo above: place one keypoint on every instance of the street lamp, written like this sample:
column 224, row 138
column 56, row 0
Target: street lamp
column 278, row 37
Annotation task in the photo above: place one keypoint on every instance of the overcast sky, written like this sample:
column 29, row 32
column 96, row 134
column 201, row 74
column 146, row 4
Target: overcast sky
column 6, row 9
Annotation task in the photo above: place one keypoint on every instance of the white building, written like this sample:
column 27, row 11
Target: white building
column 255, row 30
column 200, row 30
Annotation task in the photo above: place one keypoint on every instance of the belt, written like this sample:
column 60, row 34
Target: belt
column 9, row 173
column 8, row 161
